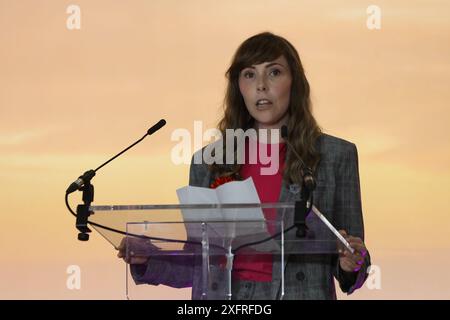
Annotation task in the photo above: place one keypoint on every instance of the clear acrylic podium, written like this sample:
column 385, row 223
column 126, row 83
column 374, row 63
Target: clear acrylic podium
column 203, row 243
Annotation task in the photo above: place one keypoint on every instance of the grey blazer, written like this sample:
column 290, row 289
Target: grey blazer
column 337, row 196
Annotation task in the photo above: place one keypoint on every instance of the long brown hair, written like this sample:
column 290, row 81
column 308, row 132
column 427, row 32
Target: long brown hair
column 303, row 130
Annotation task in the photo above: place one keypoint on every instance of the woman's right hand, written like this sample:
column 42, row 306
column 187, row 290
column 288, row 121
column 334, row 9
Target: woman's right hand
column 133, row 257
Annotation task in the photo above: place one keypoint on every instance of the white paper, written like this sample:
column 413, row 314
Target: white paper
column 230, row 192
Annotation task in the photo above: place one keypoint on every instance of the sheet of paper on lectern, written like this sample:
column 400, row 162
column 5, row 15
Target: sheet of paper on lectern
column 231, row 192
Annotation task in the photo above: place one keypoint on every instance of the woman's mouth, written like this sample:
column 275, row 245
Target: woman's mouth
column 262, row 103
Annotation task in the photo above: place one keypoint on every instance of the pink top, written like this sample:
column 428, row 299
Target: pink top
column 259, row 267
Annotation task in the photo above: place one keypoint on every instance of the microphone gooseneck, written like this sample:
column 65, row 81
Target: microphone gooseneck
column 88, row 175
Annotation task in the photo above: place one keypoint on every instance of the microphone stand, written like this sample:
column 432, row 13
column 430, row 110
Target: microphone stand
column 83, row 211
column 83, row 183
column 308, row 185
column 302, row 210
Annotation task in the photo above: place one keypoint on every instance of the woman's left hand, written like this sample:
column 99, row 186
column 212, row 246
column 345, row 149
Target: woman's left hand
column 352, row 262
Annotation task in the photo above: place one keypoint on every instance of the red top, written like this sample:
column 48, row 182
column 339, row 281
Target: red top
column 259, row 267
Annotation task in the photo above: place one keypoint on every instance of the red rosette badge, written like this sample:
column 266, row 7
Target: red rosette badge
column 222, row 180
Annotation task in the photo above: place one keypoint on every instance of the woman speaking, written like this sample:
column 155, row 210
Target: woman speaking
column 267, row 89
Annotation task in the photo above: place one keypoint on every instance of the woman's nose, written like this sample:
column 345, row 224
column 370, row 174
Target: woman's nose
column 261, row 86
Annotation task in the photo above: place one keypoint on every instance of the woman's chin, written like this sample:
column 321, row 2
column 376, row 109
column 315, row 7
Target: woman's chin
column 267, row 122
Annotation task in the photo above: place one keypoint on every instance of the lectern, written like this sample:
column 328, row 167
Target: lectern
column 199, row 244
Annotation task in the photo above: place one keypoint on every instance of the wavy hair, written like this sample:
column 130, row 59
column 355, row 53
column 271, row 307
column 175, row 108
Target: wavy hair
column 303, row 130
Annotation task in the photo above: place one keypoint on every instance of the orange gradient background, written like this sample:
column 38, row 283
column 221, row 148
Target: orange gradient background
column 70, row 99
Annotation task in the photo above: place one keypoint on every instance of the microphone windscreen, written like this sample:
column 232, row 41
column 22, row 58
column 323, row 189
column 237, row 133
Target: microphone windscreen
column 161, row 123
column 284, row 131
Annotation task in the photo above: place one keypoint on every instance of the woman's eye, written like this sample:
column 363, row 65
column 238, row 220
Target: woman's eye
column 275, row 72
column 249, row 74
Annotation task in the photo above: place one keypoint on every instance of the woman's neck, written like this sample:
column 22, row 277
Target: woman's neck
column 269, row 133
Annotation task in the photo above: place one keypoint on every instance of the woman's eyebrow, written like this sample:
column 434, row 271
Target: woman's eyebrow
column 268, row 65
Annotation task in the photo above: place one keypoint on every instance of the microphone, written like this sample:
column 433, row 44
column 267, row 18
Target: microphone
column 84, row 183
column 301, row 207
column 161, row 123
column 307, row 174
column 88, row 175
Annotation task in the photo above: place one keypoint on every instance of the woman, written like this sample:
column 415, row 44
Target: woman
column 267, row 88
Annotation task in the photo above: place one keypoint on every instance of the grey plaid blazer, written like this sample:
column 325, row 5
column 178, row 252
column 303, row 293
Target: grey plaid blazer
column 337, row 196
